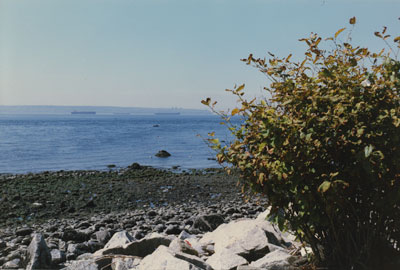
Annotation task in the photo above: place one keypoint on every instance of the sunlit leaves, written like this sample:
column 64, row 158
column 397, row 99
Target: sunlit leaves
column 328, row 134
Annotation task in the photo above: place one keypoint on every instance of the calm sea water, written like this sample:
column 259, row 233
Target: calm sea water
column 35, row 143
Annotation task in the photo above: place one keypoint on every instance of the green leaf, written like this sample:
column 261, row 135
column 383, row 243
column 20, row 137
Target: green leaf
column 324, row 186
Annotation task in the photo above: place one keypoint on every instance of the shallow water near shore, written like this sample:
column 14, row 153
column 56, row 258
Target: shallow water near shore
column 36, row 143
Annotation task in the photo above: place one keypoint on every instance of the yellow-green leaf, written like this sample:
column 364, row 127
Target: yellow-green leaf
column 235, row 111
column 339, row 31
column 240, row 88
column 324, row 186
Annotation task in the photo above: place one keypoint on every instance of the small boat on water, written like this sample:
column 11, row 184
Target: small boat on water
column 83, row 112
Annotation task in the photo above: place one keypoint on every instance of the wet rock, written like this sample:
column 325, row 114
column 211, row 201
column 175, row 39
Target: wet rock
column 38, row 254
column 163, row 154
column 135, row 166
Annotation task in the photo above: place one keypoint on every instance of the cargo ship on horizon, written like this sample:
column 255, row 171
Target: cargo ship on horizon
column 167, row 113
column 83, row 112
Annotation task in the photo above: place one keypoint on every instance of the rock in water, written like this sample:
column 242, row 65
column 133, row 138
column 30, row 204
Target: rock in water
column 163, row 153
column 38, row 254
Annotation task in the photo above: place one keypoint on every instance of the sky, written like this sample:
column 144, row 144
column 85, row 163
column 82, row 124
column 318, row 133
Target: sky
column 162, row 53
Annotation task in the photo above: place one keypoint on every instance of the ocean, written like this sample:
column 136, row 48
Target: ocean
column 37, row 143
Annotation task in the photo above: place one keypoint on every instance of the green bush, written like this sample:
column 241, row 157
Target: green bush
column 324, row 148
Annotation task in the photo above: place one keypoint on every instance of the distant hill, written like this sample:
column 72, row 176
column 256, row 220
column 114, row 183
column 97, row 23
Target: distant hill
column 97, row 109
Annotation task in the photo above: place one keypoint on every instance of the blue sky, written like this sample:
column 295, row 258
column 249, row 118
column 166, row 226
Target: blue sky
column 161, row 53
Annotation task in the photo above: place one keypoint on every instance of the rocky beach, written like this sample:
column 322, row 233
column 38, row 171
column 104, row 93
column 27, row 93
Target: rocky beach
column 137, row 218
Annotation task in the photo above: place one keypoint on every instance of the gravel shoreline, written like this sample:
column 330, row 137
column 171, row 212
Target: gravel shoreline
column 78, row 211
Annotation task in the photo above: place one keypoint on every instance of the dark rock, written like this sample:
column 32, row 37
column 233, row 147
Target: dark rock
column 173, row 229
column 135, row 166
column 207, row 223
column 163, row 153
column 152, row 213
column 2, row 244
column 24, row 231
column 38, row 254
column 94, row 245
column 71, row 234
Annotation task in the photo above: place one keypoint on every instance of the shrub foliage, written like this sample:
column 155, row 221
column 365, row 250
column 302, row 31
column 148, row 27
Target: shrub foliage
column 324, row 148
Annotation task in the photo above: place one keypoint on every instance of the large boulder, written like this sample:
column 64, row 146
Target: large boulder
column 226, row 260
column 243, row 238
column 38, row 254
column 140, row 248
column 119, row 239
column 82, row 265
column 278, row 259
column 57, row 256
column 165, row 259
column 125, row 263
column 207, row 223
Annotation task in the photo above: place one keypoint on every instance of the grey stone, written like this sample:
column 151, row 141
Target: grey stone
column 198, row 262
column 57, row 256
column 103, row 236
column 206, row 223
column 243, row 238
column 163, row 259
column 226, row 260
column 13, row 264
column 82, row 265
column 38, row 254
column 178, row 245
column 248, row 267
column 140, row 248
column 276, row 260
column 78, row 249
column 119, row 239
column 125, row 263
